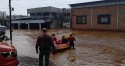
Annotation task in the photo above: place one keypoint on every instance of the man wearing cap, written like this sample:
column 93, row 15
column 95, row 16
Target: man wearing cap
column 45, row 44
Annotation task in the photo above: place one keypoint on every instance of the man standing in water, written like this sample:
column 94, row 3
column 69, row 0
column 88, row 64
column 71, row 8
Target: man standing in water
column 45, row 45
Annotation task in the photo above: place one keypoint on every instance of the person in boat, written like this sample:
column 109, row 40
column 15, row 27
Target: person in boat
column 54, row 38
column 64, row 39
column 71, row 41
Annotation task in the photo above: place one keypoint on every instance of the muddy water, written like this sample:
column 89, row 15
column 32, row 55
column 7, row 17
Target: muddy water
column 24, row 43
column 93, row 48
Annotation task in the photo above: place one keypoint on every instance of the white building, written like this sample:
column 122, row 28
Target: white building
column 27, row 23
column 2, row 15
column 60, row 17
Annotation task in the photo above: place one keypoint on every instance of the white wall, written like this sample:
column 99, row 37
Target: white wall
column 66, row 25
column 28, row 21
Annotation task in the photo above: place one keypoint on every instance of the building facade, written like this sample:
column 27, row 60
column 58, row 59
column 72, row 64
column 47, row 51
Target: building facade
column 98, row 15
column 2, row 17
column 57, row 15
column 27, row 24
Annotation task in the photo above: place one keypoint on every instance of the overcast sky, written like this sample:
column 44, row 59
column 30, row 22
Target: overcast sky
column 21, row 6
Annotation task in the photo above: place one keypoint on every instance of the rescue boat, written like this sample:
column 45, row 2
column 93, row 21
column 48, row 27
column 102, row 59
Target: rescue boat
column 61, row 46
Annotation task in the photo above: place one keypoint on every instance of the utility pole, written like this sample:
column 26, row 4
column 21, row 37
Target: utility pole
column 10, row 21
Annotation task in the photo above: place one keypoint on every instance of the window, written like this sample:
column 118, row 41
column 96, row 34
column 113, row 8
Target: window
column 104, row 19
column 81, row 19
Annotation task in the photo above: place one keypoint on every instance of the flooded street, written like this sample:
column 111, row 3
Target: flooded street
column 93, row 48
column 25, row 41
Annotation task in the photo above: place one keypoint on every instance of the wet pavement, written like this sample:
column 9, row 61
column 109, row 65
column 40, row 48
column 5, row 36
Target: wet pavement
column 93, row 48
column 24, row 41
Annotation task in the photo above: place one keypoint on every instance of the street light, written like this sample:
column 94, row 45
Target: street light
column 10, row 21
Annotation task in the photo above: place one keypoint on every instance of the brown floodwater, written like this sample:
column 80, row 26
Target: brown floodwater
column 93, row 48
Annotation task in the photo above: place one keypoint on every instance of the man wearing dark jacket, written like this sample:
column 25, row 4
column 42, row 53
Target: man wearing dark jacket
column 45, row 45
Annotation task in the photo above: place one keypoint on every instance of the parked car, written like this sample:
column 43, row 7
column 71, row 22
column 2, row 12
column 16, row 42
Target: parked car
column 8, row 53
column 2, row 28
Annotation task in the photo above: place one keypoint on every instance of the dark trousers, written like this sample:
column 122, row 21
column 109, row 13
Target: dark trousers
column 46, row 54
column 72, row 45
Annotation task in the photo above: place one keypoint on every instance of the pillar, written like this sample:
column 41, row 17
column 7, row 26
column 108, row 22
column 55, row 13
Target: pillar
column 28, row 26
column 35, row 15
column 117, row 15
column 39, row 25
column 18, row 25
column 42, row 15
column 50, row 15
column 91, row 18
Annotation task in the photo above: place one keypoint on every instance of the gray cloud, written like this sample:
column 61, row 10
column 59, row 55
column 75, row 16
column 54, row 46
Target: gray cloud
column 22, row 5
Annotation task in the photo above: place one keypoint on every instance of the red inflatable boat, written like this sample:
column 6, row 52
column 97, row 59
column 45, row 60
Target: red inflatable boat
column 60, row 46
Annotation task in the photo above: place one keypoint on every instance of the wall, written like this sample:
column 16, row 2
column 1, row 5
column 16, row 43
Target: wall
column 97, row 11
column 122, row 17
column 105, row 10
column 77, row 12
